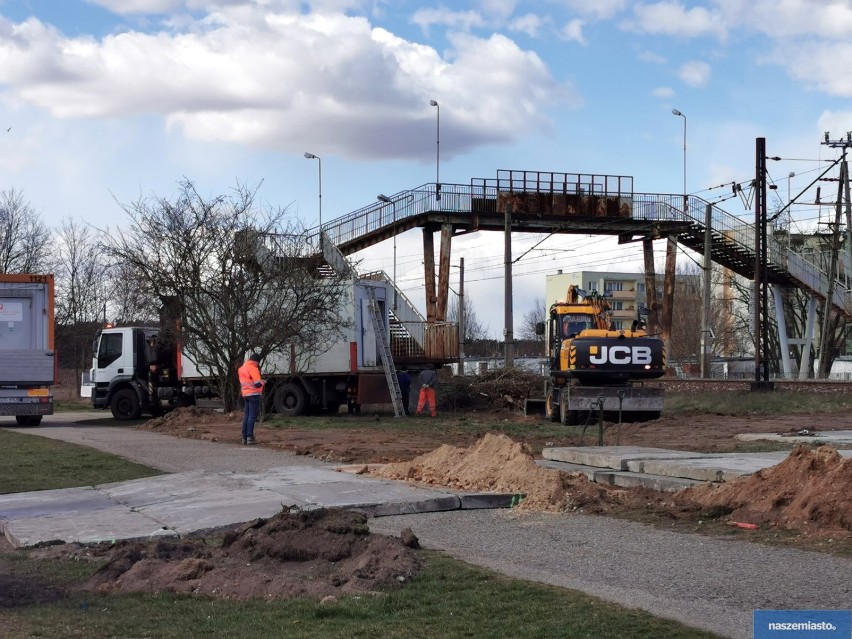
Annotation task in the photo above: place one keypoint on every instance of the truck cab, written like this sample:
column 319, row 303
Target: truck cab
column 134, row 374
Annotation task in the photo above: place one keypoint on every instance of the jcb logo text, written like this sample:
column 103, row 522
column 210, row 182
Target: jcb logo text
column 621, row 355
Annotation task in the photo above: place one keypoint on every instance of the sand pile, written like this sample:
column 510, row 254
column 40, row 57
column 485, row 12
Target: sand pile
column 810, row 490
column 496, row 463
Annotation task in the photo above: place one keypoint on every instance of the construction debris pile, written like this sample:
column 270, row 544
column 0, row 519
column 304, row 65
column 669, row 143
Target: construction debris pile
column 501, row 388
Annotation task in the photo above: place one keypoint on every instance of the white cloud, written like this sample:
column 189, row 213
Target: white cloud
column 836, row 123
column 673, row 18
column 596, row 9
column 461, row 20
column 530, row 24
column 694, row 73
column 573, row 31
column 663, row 92
column 823, row 18
column 286, row 81
column 819, row 65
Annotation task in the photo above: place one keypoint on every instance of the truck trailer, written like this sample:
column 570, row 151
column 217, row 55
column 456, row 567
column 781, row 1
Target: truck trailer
column 359, row 368
column 28, row 361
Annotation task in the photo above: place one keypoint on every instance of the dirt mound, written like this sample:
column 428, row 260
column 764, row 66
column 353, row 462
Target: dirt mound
column 190, row 417
column 810, row 490
column 496, row 463
column 316, row 553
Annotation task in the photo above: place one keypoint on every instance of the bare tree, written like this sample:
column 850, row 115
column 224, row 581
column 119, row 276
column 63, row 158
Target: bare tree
column 537, row 314
column 473, row 328
column 240, row 279
column 24, row 238
column 80, row 290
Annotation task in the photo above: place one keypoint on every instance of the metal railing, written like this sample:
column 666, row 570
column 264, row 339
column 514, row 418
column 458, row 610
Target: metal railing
column 736, row 233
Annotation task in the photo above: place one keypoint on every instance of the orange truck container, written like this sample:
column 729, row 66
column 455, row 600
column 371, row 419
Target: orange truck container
column 28, row 360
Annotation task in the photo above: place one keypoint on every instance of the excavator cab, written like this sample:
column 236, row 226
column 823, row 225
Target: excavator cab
column 572, row 324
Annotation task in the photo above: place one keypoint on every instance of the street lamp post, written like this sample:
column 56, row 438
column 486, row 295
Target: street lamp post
column 311, row 156
column 384, row 198
column 685, row 201
column 437, row 149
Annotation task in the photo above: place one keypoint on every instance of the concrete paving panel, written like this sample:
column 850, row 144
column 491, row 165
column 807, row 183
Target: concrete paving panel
column 52, row 502
column 652, row 482
column 152, row 490
column 388, row 509
column 294, row 476
column 720, row 467
column 615, row 457
column 105, row 524
column 829, row 438
column 216, row 509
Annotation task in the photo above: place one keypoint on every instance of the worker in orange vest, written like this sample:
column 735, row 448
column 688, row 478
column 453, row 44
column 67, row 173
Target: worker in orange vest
column 251, row 388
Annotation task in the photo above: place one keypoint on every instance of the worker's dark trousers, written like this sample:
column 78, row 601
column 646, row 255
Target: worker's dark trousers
column 252, row 411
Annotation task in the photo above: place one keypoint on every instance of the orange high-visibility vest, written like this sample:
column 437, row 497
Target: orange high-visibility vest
column 250, row 382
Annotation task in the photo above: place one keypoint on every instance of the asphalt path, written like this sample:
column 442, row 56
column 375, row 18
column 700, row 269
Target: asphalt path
column 706, row 582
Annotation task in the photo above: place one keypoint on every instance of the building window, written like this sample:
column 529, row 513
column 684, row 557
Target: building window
column 613, row 286
column 593, row 286
column 618, row 306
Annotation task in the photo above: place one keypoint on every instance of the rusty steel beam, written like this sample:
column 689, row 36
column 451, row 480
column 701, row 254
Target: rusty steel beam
column 444, row 273
column 429, row 274
column 668, row 290
column 652, row 325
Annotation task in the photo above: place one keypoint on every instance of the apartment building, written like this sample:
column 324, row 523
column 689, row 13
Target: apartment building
column 625, row 291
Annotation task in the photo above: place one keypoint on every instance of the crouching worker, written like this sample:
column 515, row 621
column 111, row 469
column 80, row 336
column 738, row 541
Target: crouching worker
column 251, row 388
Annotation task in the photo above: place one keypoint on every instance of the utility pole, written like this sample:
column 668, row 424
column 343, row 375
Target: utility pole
column 842, row 188
column 706, row 332
column 508, row 331
column 461, row 316
column 761, row 284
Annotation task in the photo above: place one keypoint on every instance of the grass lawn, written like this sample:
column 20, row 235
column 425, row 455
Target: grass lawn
column 37, row 463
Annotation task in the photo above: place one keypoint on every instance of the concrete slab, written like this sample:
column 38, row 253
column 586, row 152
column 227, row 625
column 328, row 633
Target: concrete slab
column 105, row 524
column 653, row 482
column 42, row 503
column 721, row 467
column 615, row 457
column 473, row 501
column 832, row 437
column 198, row 500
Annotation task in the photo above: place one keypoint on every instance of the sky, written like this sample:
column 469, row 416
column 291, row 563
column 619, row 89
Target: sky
column 106, row 101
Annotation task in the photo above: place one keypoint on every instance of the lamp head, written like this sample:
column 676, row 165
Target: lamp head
column 311, row 156
column 381, row 197
column 676, row 112
column 433, row 103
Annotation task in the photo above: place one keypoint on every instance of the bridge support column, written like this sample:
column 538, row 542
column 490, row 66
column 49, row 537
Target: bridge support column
column 444, row 273
column 429, row 275
column 805, row 363
column 782, row 332
column 653, row 324
column 668, row 291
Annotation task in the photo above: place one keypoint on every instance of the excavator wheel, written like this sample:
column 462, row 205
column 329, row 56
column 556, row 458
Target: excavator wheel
column 551, row 411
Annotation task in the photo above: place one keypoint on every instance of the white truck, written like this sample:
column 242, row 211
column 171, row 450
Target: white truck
column 358, row 369
column 28, row 361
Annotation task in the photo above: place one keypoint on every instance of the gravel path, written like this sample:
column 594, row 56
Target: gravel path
column 705, row 582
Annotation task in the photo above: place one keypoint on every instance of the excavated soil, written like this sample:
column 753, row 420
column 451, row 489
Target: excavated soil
column 810, row 490
column 317, row 554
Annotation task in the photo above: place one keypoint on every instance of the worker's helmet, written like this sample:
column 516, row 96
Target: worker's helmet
column 255, row 357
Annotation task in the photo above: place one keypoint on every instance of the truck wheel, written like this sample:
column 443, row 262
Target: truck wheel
column 28, row 420
column 290, row 400
column 125, row 405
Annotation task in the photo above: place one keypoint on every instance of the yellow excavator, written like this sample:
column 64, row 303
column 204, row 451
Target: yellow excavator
column 593, row 366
